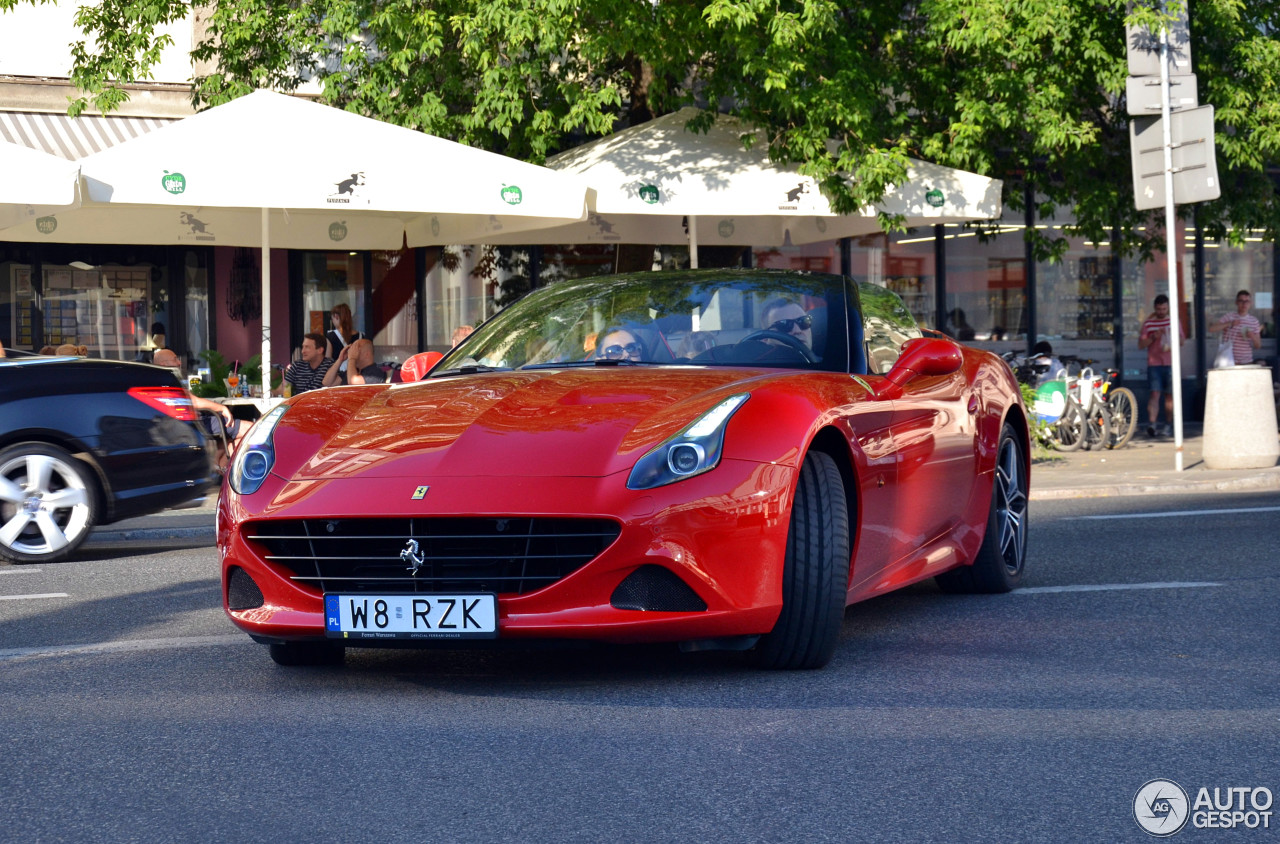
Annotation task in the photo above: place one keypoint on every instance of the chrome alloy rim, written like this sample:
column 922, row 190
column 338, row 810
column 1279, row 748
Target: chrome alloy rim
column 44, row 505
column 1011, row 507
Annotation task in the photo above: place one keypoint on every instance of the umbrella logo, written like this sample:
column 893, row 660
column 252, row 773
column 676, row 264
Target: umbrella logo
column 936, row 198
column 604, row 228
column 649, row 193
column 46, row 225
column 174, row 183
column 512, row 195
column 347, row 189
column 338, row 230
column 199, row 228
column 435, row 226
column 820, row 223
column 726, row 228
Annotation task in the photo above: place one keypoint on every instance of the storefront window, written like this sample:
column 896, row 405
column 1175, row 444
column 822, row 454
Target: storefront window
column 329, row 279
column 395, row 306
column 107, row 310
column 986, row 302
column 823, row 257
column 1075, row 303
column 1140, row 283
column 1229, row 269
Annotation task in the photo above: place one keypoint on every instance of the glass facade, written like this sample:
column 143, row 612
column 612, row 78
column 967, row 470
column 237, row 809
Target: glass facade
column 117, row 305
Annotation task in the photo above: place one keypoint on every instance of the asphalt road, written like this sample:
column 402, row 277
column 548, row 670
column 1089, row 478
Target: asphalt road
column 1144, row 647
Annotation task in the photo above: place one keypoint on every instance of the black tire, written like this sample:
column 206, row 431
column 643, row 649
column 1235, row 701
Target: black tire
column 1097, row 427
column 1001, row 558
column 48, row 503
column 1069, row 431
column 815, row 577
column 307, row 653
column 1124, row 416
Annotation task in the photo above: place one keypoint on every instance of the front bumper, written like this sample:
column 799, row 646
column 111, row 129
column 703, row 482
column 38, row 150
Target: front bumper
column 723, row 534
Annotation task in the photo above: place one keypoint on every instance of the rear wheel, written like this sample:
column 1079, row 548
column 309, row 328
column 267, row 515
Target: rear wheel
column 48, row 503
column 815, row 577
column 1003, row 554
column 1069, row 431
column 307, row 653
column 1097, row 426
column 1124, row 416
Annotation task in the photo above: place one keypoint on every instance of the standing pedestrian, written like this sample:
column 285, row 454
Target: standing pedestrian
column 341, row 333
column 1242, row 329
column 1154, row 337
column 308, row 372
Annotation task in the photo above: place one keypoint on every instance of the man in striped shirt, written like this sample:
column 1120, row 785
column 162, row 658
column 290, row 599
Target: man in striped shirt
column 308, row 373
column 1242, row 329
column 1154, row 337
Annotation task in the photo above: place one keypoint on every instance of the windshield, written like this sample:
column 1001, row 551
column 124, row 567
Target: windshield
column 790, row 320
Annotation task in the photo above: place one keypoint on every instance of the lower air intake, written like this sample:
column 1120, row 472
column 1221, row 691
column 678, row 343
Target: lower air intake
column 656, row 589
column 242, row 592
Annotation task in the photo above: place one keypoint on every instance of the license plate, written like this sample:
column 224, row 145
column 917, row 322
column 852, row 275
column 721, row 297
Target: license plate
column 411, row 616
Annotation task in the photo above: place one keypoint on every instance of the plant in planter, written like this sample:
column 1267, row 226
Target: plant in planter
column 250, row 372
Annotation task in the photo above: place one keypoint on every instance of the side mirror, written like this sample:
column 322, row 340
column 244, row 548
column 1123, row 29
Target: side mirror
column 925, row 356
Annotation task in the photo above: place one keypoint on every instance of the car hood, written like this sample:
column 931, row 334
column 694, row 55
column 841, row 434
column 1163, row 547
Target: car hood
column 566, row 423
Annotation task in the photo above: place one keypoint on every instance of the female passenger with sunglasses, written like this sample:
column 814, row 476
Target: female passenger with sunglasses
column 620, row 344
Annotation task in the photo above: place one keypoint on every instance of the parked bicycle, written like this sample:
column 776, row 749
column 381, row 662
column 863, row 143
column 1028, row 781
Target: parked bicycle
column 1108, row 412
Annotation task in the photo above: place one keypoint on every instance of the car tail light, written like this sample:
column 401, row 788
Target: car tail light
column 171, row 401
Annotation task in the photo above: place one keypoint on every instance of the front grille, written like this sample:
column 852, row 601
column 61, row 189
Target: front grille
column 506, row 556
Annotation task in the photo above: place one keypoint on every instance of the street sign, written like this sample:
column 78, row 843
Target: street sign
column 1143, row 47
column 1143, row 94
column 1195, row 165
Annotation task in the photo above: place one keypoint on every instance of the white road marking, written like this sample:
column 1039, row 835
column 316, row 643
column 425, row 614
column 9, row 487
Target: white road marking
column 17, row 570
column 1111, row 587
column 29, row 597
column 127, row 646
column 1178, row 513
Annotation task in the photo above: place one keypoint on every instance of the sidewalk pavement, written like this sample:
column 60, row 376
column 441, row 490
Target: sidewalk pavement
column 1143, row 467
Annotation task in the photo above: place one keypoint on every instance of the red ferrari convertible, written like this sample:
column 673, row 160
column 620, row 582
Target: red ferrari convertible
column 720, row 459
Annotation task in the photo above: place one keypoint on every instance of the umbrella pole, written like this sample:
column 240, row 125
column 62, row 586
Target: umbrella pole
column 266, row 304
column 693, row 242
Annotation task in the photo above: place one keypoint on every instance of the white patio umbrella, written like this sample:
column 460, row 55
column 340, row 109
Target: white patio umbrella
column 35, row 185
column 661, row 183
column 272, row 170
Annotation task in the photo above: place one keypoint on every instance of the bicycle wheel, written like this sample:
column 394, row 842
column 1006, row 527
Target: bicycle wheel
column 1068, row 433
column 1097, row 426
column 1124, row 416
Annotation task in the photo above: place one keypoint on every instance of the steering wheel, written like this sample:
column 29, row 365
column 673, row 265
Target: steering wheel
column 783, row 339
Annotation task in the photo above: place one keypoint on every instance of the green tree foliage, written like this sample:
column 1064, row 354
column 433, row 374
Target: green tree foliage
column 1029, row 91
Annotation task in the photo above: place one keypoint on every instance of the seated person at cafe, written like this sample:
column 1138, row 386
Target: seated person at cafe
column 216, row 417
column 360, row 367
column 307, row 373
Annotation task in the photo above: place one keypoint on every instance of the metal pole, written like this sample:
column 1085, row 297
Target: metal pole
column 266, row 304
column 1171, row 253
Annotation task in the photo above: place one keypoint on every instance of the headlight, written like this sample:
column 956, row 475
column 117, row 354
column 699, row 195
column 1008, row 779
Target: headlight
column 691, row 452
column 256, row 455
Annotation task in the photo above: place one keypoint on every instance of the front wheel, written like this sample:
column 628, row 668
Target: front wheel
column 1002, row 556
column 1123, row 406
column 815, row 576
column 47, row 503
column 1069, row 433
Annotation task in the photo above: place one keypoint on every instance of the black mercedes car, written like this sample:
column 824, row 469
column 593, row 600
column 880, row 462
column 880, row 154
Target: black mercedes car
column 87, row 442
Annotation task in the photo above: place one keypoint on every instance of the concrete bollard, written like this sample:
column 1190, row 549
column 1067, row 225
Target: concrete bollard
column 1240, row 419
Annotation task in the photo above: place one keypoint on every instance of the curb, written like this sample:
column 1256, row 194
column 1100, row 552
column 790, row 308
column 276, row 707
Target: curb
column 205, row 533
column 1252, row 483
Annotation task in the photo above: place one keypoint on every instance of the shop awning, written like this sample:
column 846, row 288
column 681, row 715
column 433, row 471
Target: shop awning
column 73, row 138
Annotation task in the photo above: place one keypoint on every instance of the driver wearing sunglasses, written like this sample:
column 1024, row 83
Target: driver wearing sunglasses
column 786, row 317
column 620, row 344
